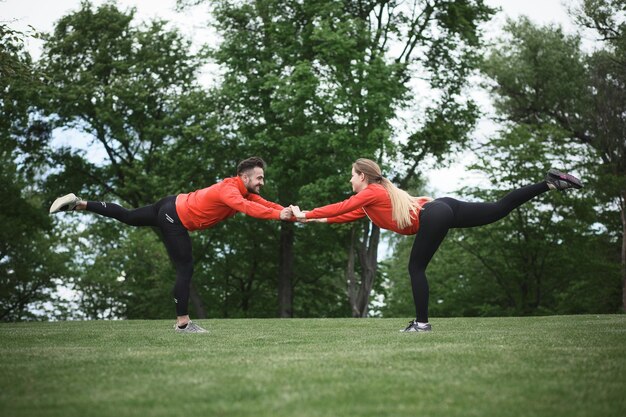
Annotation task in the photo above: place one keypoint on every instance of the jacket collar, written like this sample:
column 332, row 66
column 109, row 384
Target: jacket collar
column 242, row 188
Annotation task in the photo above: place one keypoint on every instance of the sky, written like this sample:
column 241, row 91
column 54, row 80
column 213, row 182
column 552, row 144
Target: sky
column 42, row 15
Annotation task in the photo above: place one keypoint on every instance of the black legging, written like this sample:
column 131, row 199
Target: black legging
column 161, row 214
column 442, row 214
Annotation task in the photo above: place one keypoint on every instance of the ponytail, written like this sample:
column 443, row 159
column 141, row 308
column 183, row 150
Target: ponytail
column 403, row 205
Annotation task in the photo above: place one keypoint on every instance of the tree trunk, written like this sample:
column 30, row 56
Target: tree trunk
column 367, row 250
column 623, row 214
column 285, row 271
column 196, row 301
column 350, row 275
column 246, row 285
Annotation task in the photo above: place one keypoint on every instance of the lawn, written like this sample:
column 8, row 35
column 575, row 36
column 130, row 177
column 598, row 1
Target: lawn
column 538, row 366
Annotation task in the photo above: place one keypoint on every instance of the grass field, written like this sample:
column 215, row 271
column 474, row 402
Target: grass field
column 539, row 366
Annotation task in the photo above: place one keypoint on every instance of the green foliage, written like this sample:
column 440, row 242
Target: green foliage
column 236, row 268
column 539, row 74
column 30, row 267
column 128, row 90
column 312, row 86
column 124, row 272
column 543, row 79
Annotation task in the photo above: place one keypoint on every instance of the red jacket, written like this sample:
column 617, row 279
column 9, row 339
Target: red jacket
column 204, row 208
column 373, row 202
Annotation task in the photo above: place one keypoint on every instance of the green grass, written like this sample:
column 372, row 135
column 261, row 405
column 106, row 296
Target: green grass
column 539, row 366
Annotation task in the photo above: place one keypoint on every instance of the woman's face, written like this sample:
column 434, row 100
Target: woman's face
column 358, row 181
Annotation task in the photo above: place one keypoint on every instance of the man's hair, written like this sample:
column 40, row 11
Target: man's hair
column 250, row 163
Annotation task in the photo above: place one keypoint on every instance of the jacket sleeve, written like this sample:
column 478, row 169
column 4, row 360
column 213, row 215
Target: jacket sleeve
column 232, row 197
column 353, row 203
column 258, row 199
column 347, row 217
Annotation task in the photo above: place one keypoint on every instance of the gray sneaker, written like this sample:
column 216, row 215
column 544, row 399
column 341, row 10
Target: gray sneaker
column 413, row 327
column 562, row 181
column 66, row 203
column 190, row 328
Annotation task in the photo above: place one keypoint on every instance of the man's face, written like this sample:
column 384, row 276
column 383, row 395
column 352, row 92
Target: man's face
column 253, row 180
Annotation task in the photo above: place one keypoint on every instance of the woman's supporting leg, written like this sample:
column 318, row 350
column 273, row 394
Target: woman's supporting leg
column 435, row 220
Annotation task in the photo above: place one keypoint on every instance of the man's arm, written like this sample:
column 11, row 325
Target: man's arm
column 260, row 200
column 232, row 197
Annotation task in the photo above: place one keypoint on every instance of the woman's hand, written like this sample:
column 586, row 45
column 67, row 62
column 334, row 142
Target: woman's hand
column 322, row 220
column 298, row 213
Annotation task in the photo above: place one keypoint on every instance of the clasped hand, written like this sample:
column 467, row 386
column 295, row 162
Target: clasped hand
column 288, row 212
column 299, row 214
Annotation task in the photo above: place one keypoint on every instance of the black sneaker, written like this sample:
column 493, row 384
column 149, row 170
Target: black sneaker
column 414, row 327
column 66, row 203
column 562, row 181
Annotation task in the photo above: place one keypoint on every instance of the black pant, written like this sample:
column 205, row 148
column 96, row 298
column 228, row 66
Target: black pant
column 162, row 215
column 442, row 214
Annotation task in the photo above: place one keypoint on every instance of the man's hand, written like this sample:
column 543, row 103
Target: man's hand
column 286, row 213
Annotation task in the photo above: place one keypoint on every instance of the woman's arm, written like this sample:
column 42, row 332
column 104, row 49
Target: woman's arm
column 352, row 204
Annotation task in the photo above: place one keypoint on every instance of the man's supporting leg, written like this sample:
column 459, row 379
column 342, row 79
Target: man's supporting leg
column 178, row 244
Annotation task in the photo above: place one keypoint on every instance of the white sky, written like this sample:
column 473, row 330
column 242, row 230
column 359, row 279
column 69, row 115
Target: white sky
column 42, row 15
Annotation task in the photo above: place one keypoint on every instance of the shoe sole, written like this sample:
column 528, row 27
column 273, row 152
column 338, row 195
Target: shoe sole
column 570, row 179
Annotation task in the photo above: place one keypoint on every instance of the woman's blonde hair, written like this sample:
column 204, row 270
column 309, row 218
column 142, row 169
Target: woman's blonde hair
column 403, row 205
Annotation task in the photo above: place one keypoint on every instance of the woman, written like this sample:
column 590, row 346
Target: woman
column 429, row 220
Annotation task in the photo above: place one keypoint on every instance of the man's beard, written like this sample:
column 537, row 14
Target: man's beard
column 253, row 190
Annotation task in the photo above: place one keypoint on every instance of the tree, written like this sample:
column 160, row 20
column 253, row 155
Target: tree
column 131, row 92
column 541, row 77
column 122, row 87
column 607, row 114
column 30, row 267
column 324, row 79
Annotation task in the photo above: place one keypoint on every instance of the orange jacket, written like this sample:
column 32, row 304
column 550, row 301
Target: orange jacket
column 373, row 202
column 204, row 208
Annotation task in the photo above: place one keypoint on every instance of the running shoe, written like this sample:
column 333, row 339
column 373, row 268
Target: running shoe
column 66, row 203
column 191, row 327
column 414, row 327
column 562, row 181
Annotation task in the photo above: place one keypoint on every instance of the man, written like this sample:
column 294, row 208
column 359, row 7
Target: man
column 175, row 216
